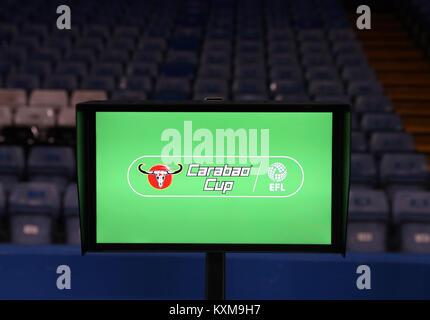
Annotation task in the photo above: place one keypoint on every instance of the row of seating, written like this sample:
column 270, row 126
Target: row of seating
column 372, row 215
column 33, row 208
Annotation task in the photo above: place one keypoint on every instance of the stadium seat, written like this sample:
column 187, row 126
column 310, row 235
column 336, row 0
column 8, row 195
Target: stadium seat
column 145, row 69
column 404, row 168
column 373, row 103
column 171, row 88
column 71, row 215
column 38, row 68
column 79, row 96
column 356, row 73
column 321, row 73
column 207, row 87
column 381, row 122
column 142, row 83
column 23, row 81
column 286, row 87
column 32, row 207
column 219, row 71
column 46, row 160
column 107, row 69
column 285, row 73
column 77, row 68
column 5, row 116
column 61, row 82
column 325, row 87
column 367, row 204
column 249, row 89
column 49, row 98
column 356, row 88
column 363, row 169
column 39, row 117
column 385, row 142
column 13, row 97
column 129, row 95
column 411, row 212
column 358, row 142
column 98, row 83
column 114, row 56
column 11, row 165
column 367, row 236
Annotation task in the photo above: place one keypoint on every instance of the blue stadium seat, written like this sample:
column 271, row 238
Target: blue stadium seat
column 129, row 95
column 142, row 83
column 72, row 68
column 114, row 56
column 37, row 68
column 98, row 83
column 107, row 69
column 311, row 47
column 347, row 47
column 341, row 35
column 148, row 56
column 404, row 168
column 363, row 169
column 96, row 30
column 356, row 88
column 354, row 122
column 381, row 122
column 206, row 87
column 58, row 81
column 282, row 47
column 367, row 236
column 85, row 56
column 71, row 215
column 373, row 103
column 411, row 211
column 321, row 73
column 46, row 160
column 122, row 44
column 358, row 142
column 325, row 87
column 335, row 98
column 169, row 88
column 178, row 69
column 22, row 81
column 95, row 44
column 26, row 42
column 316, row 60
column 286, row 87
column 250, row 71
column 126, row 31
column 249, row 89
column 283, row 59
column 385, row 142
column 285, row 73
column 32, row 208
column 13, row 55
column 368, row 205
column 146, row 69
column 311, row 35
column 356, row 73
column 291, row 98
column 218, row 71
column 415, row 237
column 52, row 55
column 352, row 60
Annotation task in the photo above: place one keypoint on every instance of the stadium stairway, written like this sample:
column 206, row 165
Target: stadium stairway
column 404, row 71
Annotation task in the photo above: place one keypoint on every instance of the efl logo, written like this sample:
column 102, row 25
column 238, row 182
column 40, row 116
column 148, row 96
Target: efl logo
column 277, row 172
column 160, row 176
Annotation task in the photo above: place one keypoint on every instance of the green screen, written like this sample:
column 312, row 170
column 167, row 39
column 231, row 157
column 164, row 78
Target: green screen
column 246, row 178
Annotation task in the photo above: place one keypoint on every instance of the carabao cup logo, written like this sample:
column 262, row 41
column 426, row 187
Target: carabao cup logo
column 160, row 176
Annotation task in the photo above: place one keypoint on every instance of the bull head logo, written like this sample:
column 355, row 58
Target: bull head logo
column 160, row 172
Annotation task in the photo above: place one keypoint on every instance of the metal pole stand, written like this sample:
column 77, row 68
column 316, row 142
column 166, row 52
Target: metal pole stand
column 215, row 275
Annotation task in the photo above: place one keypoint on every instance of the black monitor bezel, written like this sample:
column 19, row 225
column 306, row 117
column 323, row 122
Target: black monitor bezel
column 87, row 194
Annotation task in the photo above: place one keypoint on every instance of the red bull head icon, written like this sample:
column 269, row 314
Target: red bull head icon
column 160, row 176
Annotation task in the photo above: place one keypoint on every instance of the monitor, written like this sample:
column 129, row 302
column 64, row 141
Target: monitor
column 201, row 176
